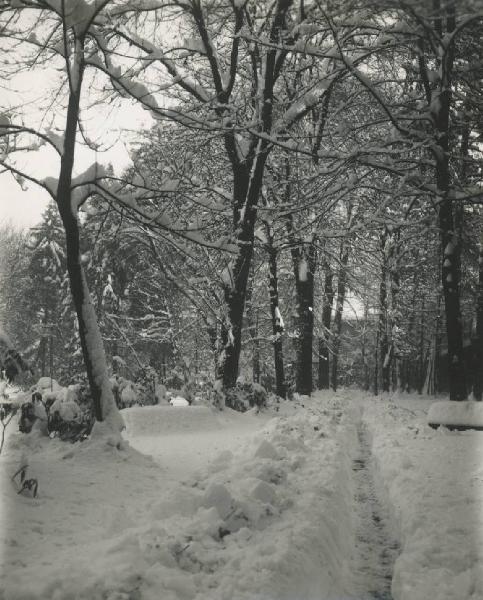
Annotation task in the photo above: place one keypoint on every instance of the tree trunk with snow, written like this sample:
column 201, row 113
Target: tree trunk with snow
column 383, row 325
column 276, row 317
column 478, row 341
column 339, row 309
column 303, row 262
column 324, row 352
column 246, row 190
column 451, row 247
column 256, row 352
column 305, row 318
column 105, row 408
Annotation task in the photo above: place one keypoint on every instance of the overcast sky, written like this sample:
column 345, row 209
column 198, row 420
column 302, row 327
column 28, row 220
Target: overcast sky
column 110, row 125
column 23, row 208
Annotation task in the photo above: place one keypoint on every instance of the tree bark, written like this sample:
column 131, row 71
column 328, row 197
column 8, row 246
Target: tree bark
column 305, row 303
column 276, row 317
column 324, row 352
column 339, row 309
column 383, row 320
column 303, row 262
column 478, row 341
column 451, row 247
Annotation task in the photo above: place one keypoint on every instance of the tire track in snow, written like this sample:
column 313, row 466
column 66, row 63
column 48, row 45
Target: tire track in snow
column 375, row 549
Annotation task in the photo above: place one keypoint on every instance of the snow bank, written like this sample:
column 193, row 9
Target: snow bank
column 459, row 414
column 433, row 481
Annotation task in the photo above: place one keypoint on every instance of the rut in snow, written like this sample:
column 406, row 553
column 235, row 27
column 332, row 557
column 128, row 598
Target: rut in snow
column 375, row 549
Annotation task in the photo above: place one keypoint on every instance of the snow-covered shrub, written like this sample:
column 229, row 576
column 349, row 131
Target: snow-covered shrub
column 30, row 412
column 126, row 392
column 55, row 411
column 246, row 395
column 218, row 395
column 70, row 423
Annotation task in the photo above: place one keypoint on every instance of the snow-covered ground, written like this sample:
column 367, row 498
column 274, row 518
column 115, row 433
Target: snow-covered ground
column 433, row 483
column 314, row 501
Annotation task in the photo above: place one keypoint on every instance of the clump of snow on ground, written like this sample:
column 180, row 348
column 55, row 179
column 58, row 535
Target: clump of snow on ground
column 459, row 414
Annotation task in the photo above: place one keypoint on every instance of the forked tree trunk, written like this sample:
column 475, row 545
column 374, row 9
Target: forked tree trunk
column 248, row 175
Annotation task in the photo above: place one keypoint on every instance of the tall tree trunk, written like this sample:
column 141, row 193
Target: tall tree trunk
column 252, row 328
column 91, row 341
column 339, row 308
column 305, row 303
column 376, row 363
column 324, row 352
column 451, row 247
column 256, row 352
column 235, row 289
column 478, row 341
column 383, row 319
column 388, row 292
column 211, row 331
column 276, row 316
column 421, row 352
column 365, row 367
column 303, row 261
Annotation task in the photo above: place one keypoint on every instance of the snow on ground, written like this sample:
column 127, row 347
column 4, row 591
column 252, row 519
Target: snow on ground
column 433, row 481
column 314, row 501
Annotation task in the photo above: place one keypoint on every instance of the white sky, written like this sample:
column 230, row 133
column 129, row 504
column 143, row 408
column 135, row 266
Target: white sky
column 23, row 208
column 111, row 125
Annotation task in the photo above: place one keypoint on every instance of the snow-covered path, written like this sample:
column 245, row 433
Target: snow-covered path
column 375, row 548
column 184, row 441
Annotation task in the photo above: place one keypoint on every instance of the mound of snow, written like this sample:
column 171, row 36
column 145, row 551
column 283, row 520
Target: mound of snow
column 458, row 414
column 179, row 401
column 46, row 384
